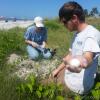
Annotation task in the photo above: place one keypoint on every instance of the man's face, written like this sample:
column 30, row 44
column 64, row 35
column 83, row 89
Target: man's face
column 71, row 25
column 39, row 29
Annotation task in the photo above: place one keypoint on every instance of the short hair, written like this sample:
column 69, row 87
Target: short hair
column 71, row 8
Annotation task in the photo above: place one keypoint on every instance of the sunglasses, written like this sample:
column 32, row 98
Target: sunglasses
column 64, row 21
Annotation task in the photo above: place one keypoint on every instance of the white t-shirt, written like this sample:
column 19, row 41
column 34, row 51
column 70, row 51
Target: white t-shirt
column 87, row 40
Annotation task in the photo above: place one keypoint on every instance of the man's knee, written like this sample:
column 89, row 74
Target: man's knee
column 32, row 52
column 33, row 57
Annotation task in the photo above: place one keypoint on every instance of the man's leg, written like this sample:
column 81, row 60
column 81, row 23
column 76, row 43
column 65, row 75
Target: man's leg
column 32, row 52
column 59, row 79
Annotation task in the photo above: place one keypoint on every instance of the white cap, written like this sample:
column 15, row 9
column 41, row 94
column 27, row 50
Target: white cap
column 38, row 21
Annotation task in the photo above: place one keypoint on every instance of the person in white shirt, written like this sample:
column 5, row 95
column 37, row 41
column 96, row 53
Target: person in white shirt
column 85, row 47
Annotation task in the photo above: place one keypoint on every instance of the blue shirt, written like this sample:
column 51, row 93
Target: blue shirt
column 38, row 37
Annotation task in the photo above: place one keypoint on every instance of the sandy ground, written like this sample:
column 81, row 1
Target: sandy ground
column 10, row 24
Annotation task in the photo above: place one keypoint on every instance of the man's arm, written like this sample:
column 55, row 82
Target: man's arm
column 61, row 66
column 58, row 69
column 89, row 58
column 34, row 44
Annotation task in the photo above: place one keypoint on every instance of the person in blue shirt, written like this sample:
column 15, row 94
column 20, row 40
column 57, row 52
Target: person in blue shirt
column 36, row 38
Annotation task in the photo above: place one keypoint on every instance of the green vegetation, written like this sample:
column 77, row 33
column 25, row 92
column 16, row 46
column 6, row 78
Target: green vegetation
column 33, row 89
column 11, row 41
column 13, row 88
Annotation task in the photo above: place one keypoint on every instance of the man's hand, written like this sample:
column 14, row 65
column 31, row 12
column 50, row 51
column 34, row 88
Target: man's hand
column 55, row 73
column 43, row 44
column 34, row 44
column 77, row 63
column 74, row 69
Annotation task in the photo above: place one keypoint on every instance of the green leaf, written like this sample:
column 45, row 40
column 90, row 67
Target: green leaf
column 40, row 88
column 59, row 87
column 45, row 93
column 97, row 85
column 59, row 98
column 32, row 78
column 23, row 87
column 38, row 93
column 96, row 94
column 77, row 97
column 30, row 87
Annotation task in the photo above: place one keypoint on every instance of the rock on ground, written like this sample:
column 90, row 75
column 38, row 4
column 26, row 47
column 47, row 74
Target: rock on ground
column 25, row 67
column 13, row 58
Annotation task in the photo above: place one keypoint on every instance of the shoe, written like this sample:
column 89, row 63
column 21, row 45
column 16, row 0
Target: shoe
column 53, row 52
column 46, row 50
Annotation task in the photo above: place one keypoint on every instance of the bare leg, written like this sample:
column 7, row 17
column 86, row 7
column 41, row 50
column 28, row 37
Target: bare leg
column 59, row 79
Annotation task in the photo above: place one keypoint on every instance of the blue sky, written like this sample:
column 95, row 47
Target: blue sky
column 44, row 8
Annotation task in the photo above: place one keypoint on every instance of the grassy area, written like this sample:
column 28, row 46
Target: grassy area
column 58, row 37
column 94, row 21
column 12, row 41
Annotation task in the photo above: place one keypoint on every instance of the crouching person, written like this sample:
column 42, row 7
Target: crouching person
column 36, row 37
